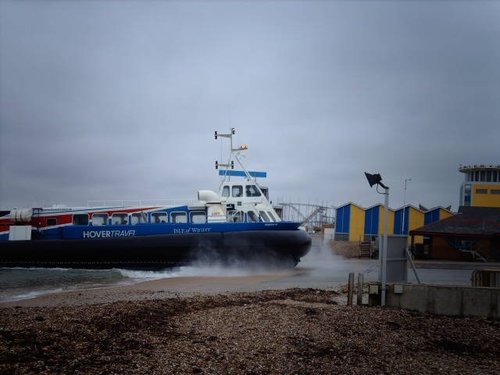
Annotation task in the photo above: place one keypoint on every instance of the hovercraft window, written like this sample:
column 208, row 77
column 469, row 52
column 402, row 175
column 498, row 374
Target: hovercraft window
column 119, row 219
column 198, row 217
column 252, row 191
column 237, row 191
column 99, row 219
column 264, row 216
column 272, row 216
column 139, row 218
column 81, row 219
column 178, row 217
column 159, row 217
column 235, row 216
column 52, row 221
column 265, row 191
column 252, row 217
column 225, row 191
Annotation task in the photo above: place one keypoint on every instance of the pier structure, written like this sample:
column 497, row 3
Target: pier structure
column 312, row 216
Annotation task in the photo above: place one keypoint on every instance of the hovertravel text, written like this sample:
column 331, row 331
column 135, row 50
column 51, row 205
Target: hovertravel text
column 108, row 233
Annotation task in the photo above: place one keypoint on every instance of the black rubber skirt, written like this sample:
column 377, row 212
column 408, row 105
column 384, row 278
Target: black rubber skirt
column 269, row 248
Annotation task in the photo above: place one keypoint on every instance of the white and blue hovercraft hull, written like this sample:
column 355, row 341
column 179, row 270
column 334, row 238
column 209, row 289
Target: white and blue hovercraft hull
column 277, row 244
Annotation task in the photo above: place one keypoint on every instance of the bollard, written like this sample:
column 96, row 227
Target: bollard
column 350, row 288
column 360, row 289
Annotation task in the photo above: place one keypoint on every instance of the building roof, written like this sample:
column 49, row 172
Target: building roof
column 477, row 167
column 410, row 206
column 380, row 205
column 350, row 204
column 468, row 222
column 437, row 208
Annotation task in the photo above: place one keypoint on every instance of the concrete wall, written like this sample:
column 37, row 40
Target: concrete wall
column 444, row 300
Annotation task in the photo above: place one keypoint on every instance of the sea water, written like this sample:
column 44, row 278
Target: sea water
column 24, row 283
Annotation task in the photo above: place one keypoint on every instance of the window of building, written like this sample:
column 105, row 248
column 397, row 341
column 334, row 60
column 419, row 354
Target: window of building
column 198, row 217
column 81, row 219
column 483, row 176
column 138, row 218
column 467, row 195
column 463, row 244
column 495, row 191
column 159, row 217
column 178, row 217
column 51, row 221
column 119, row 219
column 481, row 191
column 99, row 219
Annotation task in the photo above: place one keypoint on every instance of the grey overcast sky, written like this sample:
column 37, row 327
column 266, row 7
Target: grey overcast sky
column 120, row 99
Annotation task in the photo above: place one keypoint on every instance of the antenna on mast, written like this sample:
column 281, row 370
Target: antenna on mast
column 230, row 163
column 234, row 153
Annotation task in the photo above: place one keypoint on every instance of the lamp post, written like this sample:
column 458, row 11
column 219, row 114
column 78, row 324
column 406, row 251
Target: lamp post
column 404, row 204
column 376, row 179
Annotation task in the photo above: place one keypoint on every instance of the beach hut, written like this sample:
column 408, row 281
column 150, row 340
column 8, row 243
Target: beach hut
column 350, row 222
